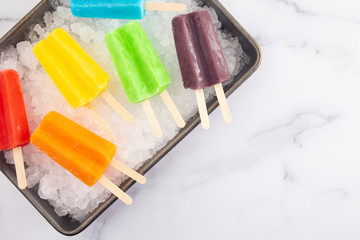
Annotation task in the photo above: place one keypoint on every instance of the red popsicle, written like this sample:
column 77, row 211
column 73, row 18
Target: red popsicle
column 14, row 127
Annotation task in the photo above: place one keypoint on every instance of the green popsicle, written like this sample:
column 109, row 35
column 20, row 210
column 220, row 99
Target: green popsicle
column 139, row 67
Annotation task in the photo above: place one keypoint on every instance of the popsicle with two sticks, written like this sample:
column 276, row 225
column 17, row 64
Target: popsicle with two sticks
column 81, row 152
column 14, row 127
column 141, row 71
column 120, row 9
column 78, row 77
column 201, row 59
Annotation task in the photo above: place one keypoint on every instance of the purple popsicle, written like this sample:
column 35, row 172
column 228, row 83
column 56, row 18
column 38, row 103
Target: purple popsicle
column 201, row 59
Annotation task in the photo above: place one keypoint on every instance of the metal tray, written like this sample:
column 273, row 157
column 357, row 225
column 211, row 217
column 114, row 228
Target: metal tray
column 64, row 224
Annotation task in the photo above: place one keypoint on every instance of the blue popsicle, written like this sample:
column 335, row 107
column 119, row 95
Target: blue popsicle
column 120, row 9
column 116, row 9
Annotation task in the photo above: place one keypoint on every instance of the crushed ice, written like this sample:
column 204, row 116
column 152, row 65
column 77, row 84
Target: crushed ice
column 66, row 193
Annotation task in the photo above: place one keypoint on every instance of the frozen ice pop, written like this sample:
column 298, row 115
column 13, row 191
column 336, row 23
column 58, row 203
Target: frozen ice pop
column 78, row 77
column 201, row 59
column 120, row 9
column 81, row 152
column 14, row 127
column 140, row 69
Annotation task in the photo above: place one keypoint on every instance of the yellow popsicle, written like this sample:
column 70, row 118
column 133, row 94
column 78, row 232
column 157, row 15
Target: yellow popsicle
column 78, row 77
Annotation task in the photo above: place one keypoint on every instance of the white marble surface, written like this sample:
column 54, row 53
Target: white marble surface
column 288, row 167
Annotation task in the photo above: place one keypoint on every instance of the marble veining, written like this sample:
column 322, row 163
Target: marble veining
column 7, row 19
column 301, row 123
column 296, row 7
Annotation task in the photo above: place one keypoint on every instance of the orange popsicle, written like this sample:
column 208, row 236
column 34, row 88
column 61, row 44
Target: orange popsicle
column 81, row 152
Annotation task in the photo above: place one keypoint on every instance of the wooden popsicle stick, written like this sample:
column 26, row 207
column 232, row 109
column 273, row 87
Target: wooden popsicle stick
column 117, row 107
column 115, row 190
column 20, row 168
column 108, row 133
column 160, row 6
column 223, row 103
column 152, row 118
column 172, row 109
column 128, row 171
column 202, row 108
